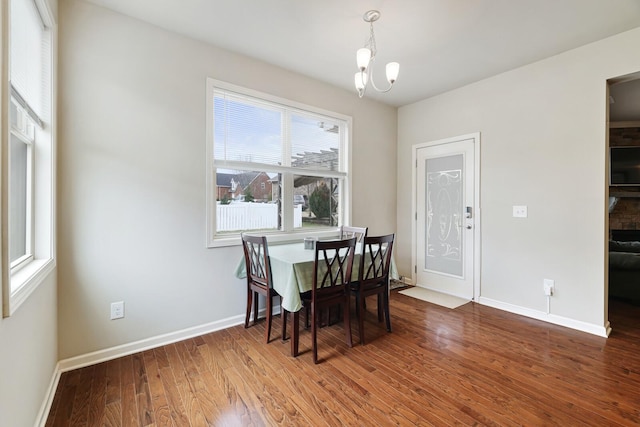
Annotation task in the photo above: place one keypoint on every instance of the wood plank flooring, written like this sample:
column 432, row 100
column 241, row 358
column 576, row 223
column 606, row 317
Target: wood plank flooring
column 470, row 366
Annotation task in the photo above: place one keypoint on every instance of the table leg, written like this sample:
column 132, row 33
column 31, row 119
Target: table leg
column 295, row 332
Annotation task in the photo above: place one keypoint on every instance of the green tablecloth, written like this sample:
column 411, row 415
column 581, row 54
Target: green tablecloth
column 292, row 271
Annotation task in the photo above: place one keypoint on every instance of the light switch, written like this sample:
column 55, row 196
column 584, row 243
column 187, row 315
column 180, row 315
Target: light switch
column 519, row 211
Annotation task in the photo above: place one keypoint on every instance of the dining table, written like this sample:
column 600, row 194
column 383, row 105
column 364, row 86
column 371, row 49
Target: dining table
column 292, row 275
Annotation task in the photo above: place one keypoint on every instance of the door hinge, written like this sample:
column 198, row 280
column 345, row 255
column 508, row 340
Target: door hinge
column 415, row 268
column 416, row 216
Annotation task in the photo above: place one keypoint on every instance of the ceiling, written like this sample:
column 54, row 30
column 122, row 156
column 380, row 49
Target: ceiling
column 440, row 44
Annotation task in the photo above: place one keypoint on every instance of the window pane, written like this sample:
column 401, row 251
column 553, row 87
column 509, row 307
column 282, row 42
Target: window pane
column 315, row 201
column 18, row 199
column 246, row 132
column 315, row 143
column 243, row 204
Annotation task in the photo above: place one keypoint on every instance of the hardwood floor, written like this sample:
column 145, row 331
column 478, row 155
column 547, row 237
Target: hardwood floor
column 470, row 366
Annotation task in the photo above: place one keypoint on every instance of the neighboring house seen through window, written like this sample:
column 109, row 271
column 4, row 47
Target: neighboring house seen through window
column 276, row 167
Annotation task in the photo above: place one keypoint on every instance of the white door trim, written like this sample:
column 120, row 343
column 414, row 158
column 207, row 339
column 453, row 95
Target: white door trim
column 477, row 223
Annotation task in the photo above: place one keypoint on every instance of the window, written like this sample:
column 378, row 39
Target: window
column 274, row 166
column 20, row 187
column 28, row 168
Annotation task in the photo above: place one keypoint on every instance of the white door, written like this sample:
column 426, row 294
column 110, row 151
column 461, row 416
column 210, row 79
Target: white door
column 446, row 216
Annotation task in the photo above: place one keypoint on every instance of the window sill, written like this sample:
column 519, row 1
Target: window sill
column 281, row 237
column 26, row 280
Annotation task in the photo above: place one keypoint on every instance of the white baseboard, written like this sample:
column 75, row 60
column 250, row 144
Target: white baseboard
column 406, row 280
column 590, row 328
column 43, row 414
column 146, row 344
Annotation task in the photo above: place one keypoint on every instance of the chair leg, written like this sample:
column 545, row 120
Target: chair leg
column 295, row 333
column 268, row 316
column 386, row 311
column 314, row 333
column 380, row 308
column 347, row 319
column 361, row 313
column 249, row 303
column 255, row 308
column 283, row 315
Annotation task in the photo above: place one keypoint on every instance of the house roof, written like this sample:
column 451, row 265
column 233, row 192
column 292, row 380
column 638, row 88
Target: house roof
column 245, row 179
column 224, row 179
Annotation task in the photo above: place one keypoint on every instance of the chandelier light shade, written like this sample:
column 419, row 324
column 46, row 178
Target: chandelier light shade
column 365, row 58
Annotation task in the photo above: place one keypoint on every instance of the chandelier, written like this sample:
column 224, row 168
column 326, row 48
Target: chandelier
column 365, row 58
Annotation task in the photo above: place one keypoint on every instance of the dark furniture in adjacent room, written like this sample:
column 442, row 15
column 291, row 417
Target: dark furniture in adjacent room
column 624, row 264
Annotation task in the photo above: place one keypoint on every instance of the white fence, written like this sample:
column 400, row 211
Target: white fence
column 252, row 216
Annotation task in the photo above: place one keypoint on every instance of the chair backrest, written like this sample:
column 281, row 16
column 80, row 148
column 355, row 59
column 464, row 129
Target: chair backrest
column 256, row 258
column 376, row 259
column 359, row 233
column 332, row 268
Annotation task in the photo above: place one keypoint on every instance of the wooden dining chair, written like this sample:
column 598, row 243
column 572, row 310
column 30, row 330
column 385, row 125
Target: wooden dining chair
column 373, row 279
column 333, row 264
column 347, row 232
column 259, row 282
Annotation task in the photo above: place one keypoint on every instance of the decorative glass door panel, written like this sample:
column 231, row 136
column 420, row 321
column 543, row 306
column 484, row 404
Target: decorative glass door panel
column 443, row 217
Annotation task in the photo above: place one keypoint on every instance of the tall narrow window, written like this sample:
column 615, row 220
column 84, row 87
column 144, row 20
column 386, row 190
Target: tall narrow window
column 29, row 163
column 277, row 167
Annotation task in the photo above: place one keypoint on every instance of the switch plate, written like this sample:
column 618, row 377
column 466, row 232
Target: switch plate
column 519, row 211
column 117, row 310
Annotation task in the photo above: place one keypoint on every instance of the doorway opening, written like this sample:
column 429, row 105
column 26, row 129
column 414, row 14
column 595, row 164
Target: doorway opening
column 623, row 166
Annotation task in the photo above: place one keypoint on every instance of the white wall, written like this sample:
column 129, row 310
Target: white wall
column 131, row 176
column 543, row 130
column 28, row 339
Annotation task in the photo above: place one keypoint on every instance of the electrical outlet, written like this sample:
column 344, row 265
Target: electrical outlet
column 549, row 286
column 117, row 310
column 519, row 211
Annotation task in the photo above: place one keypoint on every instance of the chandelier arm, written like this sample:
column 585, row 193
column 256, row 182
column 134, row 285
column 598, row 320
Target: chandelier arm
column 373, row 83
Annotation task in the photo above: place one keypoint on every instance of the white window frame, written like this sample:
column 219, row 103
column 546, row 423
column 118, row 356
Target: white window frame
column 20, row 280
column 288, row 233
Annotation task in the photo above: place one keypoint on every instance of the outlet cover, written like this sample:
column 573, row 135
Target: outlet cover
column 519, row 211
column 117, row 310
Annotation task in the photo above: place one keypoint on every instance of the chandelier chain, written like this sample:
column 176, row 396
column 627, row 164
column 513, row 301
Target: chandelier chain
column 366, row 63
column 371, row 43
